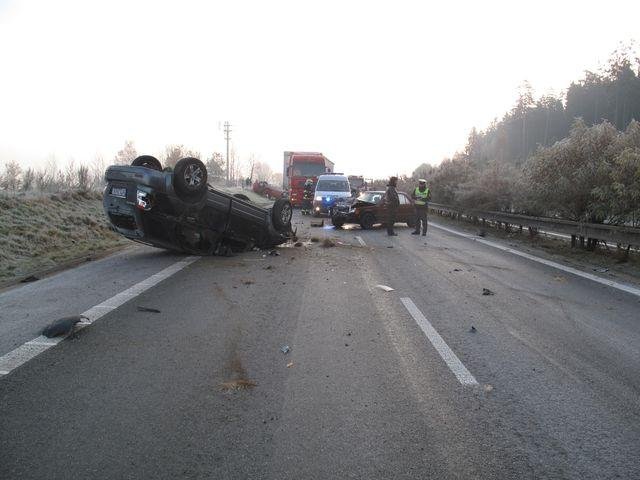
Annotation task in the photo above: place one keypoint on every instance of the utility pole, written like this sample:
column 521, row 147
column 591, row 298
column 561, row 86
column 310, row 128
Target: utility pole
column 227, row 131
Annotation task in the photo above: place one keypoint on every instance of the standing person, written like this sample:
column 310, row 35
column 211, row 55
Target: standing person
column 392, row 201
column 307, row 197
column 421, row 196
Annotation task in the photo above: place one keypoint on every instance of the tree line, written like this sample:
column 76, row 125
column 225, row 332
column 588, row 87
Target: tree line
column 575, row 157
column 51, row 179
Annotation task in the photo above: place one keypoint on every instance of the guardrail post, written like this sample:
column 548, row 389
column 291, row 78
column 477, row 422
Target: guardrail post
column 573, row 241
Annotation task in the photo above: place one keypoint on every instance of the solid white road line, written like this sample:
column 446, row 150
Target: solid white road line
column 35, row 347
column 360, row 241
column 574, row 271
column 453, row 362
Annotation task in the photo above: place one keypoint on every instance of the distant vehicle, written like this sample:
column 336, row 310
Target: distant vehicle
column 300, row 166
column 330, row 189
column 368, row 210
column 178, row 210
column 270, row 191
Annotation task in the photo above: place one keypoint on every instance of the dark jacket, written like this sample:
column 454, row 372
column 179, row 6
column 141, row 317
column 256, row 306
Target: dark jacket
column 391, row 198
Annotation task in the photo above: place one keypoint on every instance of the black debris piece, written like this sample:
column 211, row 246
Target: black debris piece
column 486, row 291
column 30, row 278
column 457, row 270
column 473, row 329
column 147, row 309
column 274, row 253
column 297, row 244
column 62, row 326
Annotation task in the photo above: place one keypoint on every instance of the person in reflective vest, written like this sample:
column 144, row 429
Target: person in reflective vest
column 307, row 197
column 421, row 196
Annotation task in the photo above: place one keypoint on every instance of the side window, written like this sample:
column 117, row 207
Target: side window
column 403, row 199
column 377, row 198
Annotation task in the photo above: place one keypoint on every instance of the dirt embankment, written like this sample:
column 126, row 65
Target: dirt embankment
column 44, row 232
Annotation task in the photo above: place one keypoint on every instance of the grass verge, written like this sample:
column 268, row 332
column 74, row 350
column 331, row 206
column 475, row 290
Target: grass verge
column 44, row 232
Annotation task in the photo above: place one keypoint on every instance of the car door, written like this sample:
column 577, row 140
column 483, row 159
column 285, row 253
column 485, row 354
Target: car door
column 405, row 210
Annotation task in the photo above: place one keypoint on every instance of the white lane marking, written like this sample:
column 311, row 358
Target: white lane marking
column 453, row 362
column 549, row 263
column 35, row 347
column 360, row 241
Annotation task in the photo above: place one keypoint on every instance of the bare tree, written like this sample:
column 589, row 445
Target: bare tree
column 126, row 155
column 28, row 179
column 11, row 177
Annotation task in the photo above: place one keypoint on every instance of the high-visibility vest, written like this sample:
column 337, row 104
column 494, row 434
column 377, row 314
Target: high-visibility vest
column 422, row 196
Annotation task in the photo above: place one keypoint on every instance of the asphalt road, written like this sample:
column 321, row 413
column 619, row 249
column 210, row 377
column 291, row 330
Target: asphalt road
column 368, row 390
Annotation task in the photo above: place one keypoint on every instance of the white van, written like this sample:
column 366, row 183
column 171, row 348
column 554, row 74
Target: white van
column 330, row 188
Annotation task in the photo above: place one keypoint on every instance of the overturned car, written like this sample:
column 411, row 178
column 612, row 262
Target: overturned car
column 178, row 210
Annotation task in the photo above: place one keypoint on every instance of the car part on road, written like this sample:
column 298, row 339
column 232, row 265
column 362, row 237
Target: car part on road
column 147, row 161
column 385, row 288
column 62, row 326
column 147, row 309
column 486, row 291
column 285, row 349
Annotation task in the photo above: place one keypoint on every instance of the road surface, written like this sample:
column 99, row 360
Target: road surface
column 430, row 380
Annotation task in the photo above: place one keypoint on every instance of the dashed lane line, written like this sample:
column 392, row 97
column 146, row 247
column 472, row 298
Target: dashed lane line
column 35, row 347
column 549, row 263
column 453, row 362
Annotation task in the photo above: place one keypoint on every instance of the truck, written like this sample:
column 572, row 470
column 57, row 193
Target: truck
column 300, row 166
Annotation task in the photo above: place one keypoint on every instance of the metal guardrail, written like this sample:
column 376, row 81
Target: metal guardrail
column 608, row 233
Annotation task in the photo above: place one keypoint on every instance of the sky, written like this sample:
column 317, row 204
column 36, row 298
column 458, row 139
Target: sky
column 378, row 86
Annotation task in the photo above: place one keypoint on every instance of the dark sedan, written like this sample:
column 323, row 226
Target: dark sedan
column 177, row 210
column 369, row 209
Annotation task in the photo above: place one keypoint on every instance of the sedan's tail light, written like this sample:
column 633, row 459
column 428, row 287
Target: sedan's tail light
column 144, row 200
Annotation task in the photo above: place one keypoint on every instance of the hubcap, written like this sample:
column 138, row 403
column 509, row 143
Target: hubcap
column 193, row 175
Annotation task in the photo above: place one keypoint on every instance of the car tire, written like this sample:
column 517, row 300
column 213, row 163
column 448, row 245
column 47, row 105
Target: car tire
column 281, row 214
column 337, row 222
column 367, row 221
column 190, row 179
column 147, row 161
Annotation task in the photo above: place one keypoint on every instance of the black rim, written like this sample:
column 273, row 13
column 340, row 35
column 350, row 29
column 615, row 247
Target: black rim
column 193, row 176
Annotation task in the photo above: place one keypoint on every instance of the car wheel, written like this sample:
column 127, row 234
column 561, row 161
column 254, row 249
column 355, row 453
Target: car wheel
column 337, row 222
column 190, row 179
column 147, row 161
column 281, row 214
column 367, row 221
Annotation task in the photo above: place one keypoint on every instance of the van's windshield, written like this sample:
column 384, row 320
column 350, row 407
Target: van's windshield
column 332, row 186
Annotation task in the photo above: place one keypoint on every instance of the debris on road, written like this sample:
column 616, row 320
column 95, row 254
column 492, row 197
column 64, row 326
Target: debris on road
column 385, row 288
column 290, row 364
column 317, row 223
column 248, row 282
column 285, row 349
column 457, row 269
column 473, row 329
column 327, row 243
column 240, row 384
column 269, row 267
column 482, row 233
column 486, row 291
column 389, row 246
column 29, row 279
column 488, row 388
column 315, row 239
column 559, row 278
column 62, row 326
column 601, row 270
column 274, row 253
column 147, row 309
column 297, row 244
